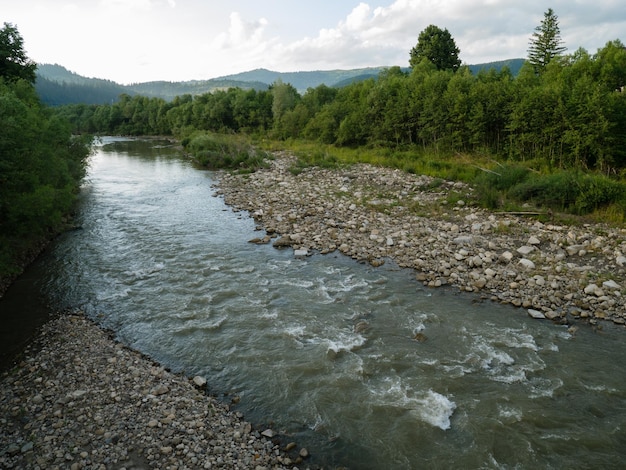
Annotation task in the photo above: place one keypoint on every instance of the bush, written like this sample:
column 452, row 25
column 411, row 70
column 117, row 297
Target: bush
column 217, row 151
column 571, row 191
column 492, row 186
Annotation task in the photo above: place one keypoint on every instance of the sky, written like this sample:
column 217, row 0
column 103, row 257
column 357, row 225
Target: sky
column 134, row 41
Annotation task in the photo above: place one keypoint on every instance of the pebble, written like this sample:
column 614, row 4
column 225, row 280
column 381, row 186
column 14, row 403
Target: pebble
column 390, row 214
column 94, row 413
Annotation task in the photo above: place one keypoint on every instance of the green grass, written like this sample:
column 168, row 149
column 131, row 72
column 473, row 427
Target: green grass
column 506, row 186
column 225, row 151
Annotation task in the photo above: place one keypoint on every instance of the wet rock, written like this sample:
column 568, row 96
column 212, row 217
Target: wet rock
column 301, row 253
column 283, row 241
column 268, row 433
column 199, row 381
column 536, row 314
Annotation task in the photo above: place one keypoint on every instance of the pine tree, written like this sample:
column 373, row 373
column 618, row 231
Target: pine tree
column 546, row 43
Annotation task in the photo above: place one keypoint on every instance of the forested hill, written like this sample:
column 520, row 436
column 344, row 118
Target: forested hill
column 301, row 81
column 58, row 86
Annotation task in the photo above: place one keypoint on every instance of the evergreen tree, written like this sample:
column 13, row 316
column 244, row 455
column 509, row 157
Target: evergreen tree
column 546, row 43
column 438, row 46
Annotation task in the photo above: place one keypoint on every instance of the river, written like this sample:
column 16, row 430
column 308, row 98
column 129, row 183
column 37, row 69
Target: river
column 364, row 366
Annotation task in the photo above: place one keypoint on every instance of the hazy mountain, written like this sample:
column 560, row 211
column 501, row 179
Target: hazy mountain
column 56, row 85
column 304, row 80
column 514, row 66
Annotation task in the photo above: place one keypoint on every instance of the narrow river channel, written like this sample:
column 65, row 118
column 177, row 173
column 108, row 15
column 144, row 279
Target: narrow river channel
column 325, row 348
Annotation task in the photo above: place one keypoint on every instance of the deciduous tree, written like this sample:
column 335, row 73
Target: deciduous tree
column 438, row 46
column 14, row 64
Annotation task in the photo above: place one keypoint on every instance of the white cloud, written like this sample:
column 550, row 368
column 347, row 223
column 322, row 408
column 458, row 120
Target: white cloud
column 126, row 4
column 241, row 33
column 484, row 30
column 141, row 40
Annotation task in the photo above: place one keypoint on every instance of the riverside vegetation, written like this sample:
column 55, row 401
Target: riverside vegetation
column 390, row 167
column 41, row 162
column 553, row 136
column 549, row 143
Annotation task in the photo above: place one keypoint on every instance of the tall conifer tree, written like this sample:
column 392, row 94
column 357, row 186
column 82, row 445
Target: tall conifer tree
column 546, row 43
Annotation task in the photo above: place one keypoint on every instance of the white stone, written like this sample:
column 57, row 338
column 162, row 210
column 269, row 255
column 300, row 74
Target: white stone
column 574, row 249
column 477, row 261
column 525, row 250
column 539, row 280
column 301, row 253
column 536, row 314
column 590, row 289
column 528, row 264
column 268, row 433
column 506, row 256
column 621, row 260
column 611, row 284
column 199, row 381
column 534, row 241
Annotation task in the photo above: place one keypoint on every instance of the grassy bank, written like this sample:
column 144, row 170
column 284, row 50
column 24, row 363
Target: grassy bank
column 499, row 186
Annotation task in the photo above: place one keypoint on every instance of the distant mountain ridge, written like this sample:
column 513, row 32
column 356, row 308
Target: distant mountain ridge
column 57, row 85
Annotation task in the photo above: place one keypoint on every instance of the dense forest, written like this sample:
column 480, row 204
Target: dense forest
column 41, row 162
column 563, row 117
column 572, row 115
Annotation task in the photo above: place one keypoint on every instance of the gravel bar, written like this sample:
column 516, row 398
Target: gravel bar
column 80, row 400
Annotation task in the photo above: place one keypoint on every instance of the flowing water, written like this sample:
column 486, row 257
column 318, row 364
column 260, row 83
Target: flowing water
column 364, row 366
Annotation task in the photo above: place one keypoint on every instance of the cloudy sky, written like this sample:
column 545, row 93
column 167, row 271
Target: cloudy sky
column 143, row 40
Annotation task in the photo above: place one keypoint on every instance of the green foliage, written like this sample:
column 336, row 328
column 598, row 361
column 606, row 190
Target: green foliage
column 320, row 158
column 438, row 46
column 546, row 43
column 14, row 64
column 570, row 191
column 433, row 120
column 41, row 166
column 219, row 151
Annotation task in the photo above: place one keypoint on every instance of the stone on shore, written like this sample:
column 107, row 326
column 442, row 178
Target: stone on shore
column 79, row 400
column 374, row 213
column 536, row 314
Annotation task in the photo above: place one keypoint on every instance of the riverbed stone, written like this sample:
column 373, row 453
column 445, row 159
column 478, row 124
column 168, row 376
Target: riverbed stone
column 443, row 243
column 611, row 285
column 536, row 314
column 199, row 381
column 526, row 263
column 525, row 250
column 96, row 413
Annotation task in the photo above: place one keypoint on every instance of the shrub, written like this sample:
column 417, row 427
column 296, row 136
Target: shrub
column 571, row 191
column 217, row 151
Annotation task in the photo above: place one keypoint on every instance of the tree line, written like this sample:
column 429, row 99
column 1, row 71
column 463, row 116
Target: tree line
column 570, row 115
column 561, row 113
column 41, row 162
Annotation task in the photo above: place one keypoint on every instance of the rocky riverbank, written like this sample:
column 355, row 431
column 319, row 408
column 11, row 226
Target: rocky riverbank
column 79, row 400
column 554, row 271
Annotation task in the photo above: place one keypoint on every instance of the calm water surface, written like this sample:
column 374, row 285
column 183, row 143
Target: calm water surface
column 323, row 347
